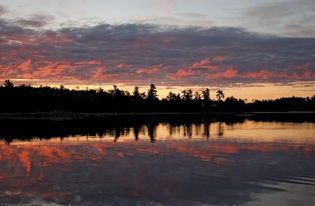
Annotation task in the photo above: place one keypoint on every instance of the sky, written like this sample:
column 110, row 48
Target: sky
column 249, row 48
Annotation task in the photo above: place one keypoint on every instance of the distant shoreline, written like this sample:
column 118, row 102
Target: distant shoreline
column 74, row 116
column 26, row 126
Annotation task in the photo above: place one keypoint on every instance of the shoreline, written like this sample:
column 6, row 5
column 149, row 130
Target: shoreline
column 77, row 116
column 46, row 125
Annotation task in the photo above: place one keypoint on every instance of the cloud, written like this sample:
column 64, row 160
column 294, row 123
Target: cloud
column 150, row 70
column 26, row 65
column 141, row 53
column 99, row 73
column 123, row 65
column 207, row 63
column 290, row 17
column 35, row 21
column 227, row 74
column 178, row 20
column 2, row 10
column 181, row 73
column 167, row 5
column 192, row 15
column 30, row 22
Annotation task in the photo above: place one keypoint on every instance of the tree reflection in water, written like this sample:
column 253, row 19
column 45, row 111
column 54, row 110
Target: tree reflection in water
column 192, row 162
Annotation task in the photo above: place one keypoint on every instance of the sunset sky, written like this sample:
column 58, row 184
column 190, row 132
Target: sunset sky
column 251, row 49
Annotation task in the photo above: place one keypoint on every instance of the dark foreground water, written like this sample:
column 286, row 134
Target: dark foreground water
column 182, row 163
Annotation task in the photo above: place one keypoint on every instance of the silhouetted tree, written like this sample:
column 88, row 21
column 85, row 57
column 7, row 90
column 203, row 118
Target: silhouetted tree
column 206, row 95
column 100, row 90
column 172, row 97
column 116, row 90
column 152, row 93
column 187, row 95
column 197, row 96
column 220, row 95
column 8, row 84
column 136, row 93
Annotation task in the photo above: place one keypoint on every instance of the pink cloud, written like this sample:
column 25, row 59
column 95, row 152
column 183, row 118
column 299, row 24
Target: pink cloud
column 123, row 65
column 204, row 64
column 198, row 68
column 266, row 74
column 262, row 74
column 308, row 74
column 99, row 73
column 227, row 74
column 91, row 62
column 181, row 73
column 52, row 69
column 6, row 71
column 150, row 70
column 184, row 73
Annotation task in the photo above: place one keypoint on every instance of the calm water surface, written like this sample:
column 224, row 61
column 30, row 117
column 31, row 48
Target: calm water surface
column 218, row 163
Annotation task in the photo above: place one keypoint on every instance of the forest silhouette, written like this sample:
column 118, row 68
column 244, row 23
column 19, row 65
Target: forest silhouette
column 25, row 98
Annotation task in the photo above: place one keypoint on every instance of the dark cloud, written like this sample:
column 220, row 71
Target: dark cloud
column 8, row 29
column 35, row 21
column 138, row 53
column 30, row 22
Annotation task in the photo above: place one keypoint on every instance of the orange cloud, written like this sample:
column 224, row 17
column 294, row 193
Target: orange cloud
column 48, row 69
column 26, row 65
column 55, row 70
column 227, row 74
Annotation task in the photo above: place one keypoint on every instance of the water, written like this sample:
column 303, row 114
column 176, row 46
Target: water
column 162, row 163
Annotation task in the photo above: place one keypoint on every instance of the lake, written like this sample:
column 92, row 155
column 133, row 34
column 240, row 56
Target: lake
column 158, row 161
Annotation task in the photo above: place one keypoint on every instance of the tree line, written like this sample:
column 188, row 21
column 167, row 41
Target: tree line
column 25, row 98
